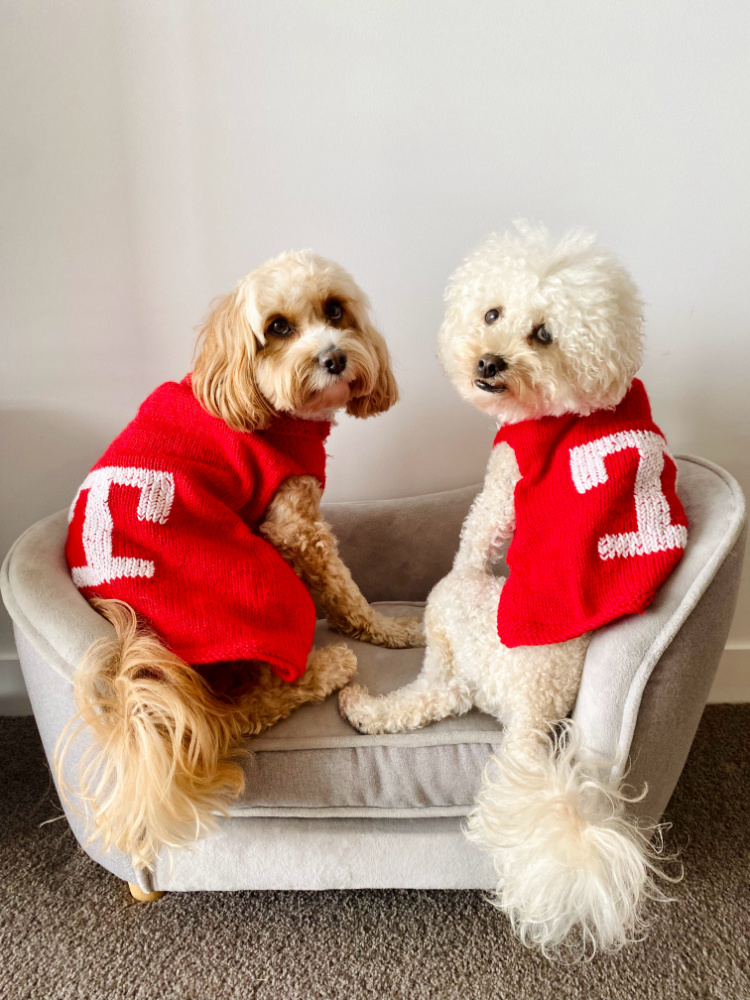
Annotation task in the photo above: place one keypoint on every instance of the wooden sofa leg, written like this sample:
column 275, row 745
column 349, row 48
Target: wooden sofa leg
column 143, row 897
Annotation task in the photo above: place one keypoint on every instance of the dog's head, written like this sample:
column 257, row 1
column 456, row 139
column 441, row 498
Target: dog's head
column 295, row 337
column 535, row 327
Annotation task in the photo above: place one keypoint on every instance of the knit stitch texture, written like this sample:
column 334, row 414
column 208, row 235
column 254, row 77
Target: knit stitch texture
column 599, row 526
column 167, row 520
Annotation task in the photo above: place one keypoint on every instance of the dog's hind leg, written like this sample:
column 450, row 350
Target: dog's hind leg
column 435, row 694
column 411, row 707
column 271, row 699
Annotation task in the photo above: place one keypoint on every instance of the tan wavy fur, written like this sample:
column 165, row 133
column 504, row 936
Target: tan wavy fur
column 165, row 756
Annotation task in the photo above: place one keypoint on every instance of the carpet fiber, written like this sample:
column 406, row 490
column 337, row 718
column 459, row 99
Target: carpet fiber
column 69, row 929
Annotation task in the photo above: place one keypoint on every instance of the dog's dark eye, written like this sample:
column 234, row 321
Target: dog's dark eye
column 492, row 316
column 334, row 310
column 280, row 327
column 541, row 335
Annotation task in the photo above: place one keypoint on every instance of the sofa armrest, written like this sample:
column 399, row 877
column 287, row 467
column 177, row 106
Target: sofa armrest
column 659, row 665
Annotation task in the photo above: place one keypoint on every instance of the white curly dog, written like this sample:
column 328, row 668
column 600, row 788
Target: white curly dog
column 533, row 328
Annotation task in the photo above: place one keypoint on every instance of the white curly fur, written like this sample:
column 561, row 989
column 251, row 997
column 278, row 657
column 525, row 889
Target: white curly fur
column 581, row 293
column 572, row 867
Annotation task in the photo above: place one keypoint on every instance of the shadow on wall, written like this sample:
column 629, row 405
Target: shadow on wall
column 450, row 447
column 44, row 456
column 706, row 412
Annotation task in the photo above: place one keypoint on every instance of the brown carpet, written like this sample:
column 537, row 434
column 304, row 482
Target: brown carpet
column 69, row 929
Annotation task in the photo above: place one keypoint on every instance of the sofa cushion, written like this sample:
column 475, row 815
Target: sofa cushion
column 315, row 764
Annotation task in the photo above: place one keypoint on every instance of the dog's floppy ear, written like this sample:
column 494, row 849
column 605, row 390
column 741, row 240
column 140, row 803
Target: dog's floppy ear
column 224, row 370
column 383, row 392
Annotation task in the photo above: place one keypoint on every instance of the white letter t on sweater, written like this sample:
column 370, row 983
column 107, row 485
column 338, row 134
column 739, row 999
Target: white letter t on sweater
column 155, row 503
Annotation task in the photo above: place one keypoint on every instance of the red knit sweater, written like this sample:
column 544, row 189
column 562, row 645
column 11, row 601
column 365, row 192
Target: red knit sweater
column 599, row 525
column 167, row 520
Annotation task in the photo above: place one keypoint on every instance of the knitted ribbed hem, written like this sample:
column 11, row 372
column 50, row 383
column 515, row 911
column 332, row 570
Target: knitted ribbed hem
column 637, row 604
column 287, row 668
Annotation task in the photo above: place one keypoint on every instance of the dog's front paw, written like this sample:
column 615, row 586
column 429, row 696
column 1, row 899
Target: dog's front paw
column 355, row 706
column 395, row 633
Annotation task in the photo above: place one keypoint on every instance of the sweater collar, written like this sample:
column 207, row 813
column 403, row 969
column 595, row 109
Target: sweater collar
column 288, row 426
column 285, row 424
column 635, row 400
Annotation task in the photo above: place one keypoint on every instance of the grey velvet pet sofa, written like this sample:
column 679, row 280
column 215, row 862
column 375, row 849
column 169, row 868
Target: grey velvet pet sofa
column 328, row 808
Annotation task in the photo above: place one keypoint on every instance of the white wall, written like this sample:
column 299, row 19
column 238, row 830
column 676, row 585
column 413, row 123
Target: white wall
column 155, row 151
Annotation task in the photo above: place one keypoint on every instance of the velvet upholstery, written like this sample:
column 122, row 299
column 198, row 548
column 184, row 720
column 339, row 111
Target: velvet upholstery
column 326, row 807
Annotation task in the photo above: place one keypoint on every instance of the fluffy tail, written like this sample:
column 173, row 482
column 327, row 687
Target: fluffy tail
column 164, row 756
column 573, row 869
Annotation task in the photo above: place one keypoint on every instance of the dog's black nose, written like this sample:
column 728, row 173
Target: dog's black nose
column 490, row 364
column 333, row 360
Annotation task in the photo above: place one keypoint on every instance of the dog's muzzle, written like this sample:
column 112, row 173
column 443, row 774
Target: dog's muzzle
column 489, row 368
column 333, row 360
